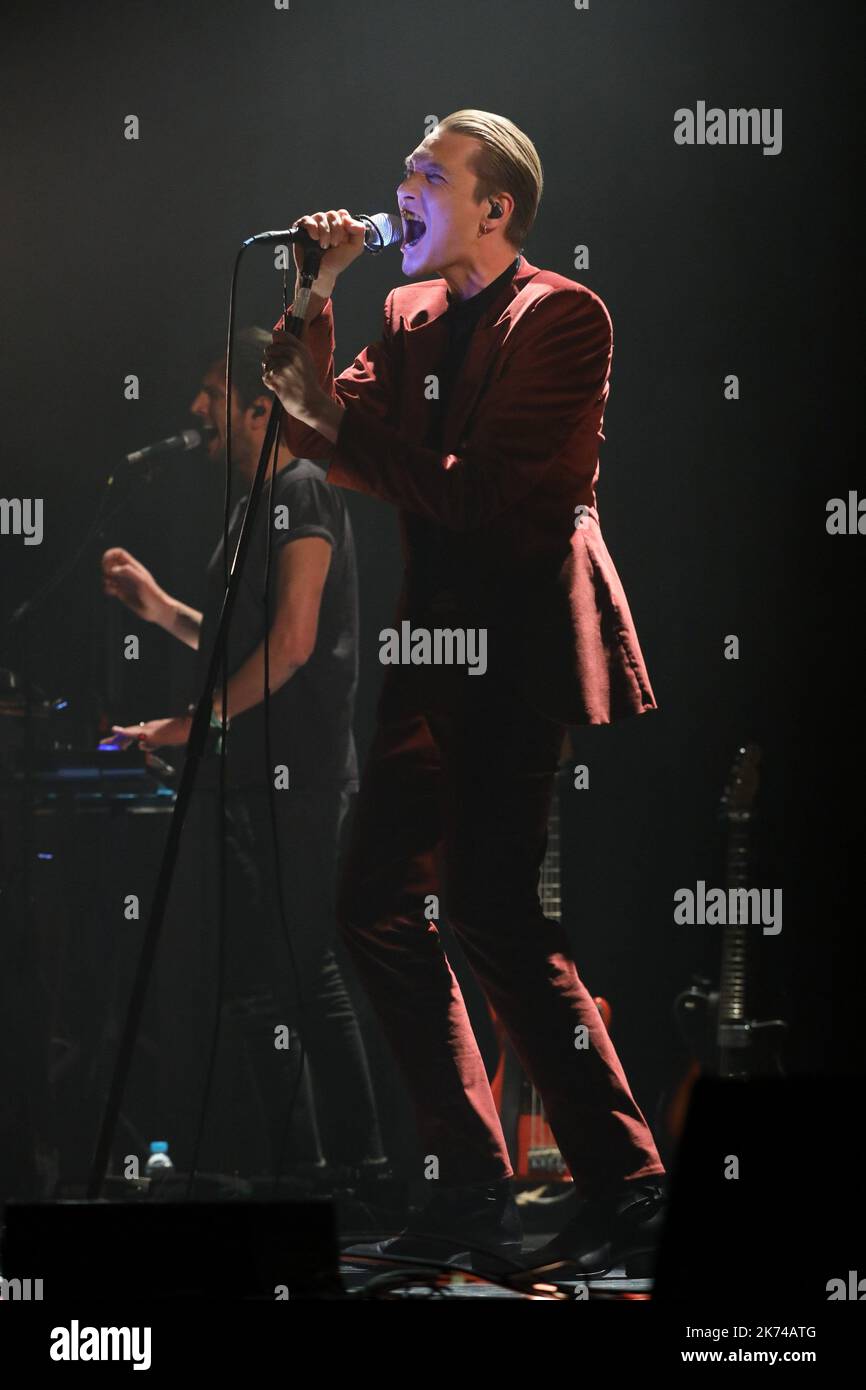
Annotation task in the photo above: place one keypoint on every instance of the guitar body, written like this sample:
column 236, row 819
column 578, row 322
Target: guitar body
column 758, row 1052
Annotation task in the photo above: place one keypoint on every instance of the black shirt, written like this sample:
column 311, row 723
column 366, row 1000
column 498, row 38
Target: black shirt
column 436, row 577
column 311, row 714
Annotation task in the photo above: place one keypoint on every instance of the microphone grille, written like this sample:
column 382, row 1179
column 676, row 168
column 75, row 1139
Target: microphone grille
column 388, row 231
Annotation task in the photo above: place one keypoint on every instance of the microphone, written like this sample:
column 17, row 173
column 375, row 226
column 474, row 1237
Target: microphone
column 382, row 229
column 176, row 443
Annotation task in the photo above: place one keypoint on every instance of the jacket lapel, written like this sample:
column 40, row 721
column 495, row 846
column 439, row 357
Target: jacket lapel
column 424, row 339
column 480, row 359
column 425, row 336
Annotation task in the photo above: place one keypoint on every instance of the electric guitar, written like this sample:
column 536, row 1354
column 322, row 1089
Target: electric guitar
column 724, row 1037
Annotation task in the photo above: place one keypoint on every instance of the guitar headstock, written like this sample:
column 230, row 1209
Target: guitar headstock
column 741, row 788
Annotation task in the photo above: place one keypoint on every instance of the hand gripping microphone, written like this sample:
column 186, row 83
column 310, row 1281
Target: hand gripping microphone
column 382, row 229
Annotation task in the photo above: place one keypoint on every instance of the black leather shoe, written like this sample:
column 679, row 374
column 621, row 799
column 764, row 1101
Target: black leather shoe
column 331, row 1176
column 477, row 1226
column 604, row 1233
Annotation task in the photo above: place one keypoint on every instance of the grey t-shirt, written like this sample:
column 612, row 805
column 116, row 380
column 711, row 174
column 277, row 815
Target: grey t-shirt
column 311, row 714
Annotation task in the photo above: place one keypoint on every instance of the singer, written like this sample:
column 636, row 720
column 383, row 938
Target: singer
column 478, row 414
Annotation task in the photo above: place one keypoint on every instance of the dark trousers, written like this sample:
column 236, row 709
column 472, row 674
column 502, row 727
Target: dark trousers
column 455, row 797
column 275, row 977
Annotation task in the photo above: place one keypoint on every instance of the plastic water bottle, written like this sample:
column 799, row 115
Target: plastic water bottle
column 159, row 1162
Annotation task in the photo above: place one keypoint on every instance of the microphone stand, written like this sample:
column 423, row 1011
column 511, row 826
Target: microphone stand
column 195, row 748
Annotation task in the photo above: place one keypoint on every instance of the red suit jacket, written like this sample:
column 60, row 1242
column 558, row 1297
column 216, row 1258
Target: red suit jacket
column 515, row 483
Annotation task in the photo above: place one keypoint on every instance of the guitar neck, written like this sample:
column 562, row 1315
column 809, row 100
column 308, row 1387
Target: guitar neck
column 733, row 985
column 550, row 876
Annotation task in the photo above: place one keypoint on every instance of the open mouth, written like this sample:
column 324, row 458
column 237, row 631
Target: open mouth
column 414, row 229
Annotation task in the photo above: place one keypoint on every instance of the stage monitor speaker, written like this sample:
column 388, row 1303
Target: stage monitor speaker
column 156, row 1250
column 764, row 1194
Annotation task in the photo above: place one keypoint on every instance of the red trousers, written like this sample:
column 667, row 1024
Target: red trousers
column 454, row 800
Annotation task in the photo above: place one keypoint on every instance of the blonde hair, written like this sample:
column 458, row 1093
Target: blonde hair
column 507, row 162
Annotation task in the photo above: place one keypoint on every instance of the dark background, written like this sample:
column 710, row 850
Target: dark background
column 116, row 258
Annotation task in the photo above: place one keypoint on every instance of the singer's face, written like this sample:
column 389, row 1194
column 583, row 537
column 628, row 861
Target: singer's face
column 209, row 407
column 439, row 189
